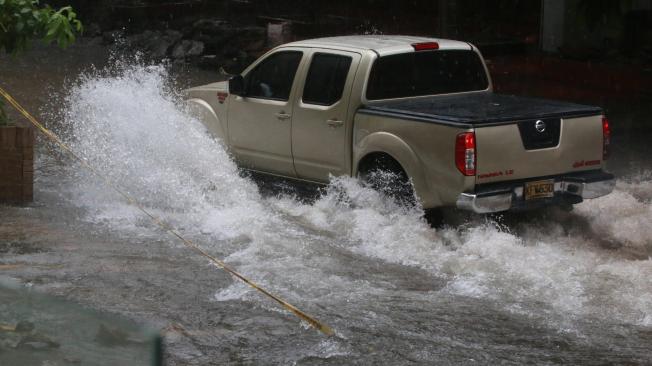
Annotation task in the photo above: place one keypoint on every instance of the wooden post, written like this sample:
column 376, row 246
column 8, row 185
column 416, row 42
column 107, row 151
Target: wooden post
column 16, row 165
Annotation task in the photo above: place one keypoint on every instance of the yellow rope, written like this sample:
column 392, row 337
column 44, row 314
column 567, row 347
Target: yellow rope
column 164, row 225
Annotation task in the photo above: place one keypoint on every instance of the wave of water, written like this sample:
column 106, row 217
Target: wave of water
column 593, row 262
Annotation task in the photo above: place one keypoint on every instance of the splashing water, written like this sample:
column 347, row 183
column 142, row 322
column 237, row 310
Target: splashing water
column 131, row 129
column 352, row 244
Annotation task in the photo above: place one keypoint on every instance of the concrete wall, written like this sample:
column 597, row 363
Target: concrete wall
column 552, row 24
column 16, row 165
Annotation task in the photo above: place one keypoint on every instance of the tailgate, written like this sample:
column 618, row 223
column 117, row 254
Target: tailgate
column 538, row 148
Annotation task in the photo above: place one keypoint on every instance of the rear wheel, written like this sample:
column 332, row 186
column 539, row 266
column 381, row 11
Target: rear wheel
column 384, row 174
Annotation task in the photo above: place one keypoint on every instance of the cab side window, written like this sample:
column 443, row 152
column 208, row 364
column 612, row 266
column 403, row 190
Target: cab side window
column 272, row 78
column 326, row 79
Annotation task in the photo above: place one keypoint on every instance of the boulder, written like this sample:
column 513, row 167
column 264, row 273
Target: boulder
column 220, row 36
column 211, row 62
column 187, row 48
column 211, row 26
column 110, row 37
column 155, row 44
column 93, row 30
column 159, row 44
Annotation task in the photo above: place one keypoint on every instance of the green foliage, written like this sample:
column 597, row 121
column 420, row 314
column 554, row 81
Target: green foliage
column 24, row 20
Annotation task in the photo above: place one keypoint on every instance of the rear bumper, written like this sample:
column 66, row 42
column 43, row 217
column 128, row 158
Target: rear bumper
column 569, row 189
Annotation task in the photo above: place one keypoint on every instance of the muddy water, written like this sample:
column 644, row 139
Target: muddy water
column 544, row 287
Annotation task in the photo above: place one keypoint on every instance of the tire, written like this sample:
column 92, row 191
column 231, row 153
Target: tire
column 385, row 175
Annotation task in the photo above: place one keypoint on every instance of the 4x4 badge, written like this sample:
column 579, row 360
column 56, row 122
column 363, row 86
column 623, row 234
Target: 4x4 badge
column 540, row 126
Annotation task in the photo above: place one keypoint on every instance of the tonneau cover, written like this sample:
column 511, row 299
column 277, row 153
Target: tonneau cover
column 478, row 109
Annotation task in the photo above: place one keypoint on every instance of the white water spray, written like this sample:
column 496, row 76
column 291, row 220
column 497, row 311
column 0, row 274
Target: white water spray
column 134, row 128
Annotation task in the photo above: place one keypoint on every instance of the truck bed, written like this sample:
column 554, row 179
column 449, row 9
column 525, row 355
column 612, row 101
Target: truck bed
column 478, row 109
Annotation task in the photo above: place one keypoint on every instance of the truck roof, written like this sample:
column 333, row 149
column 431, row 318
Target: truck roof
column 381, row 44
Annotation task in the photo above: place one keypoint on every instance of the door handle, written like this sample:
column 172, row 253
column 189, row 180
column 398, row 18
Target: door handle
column 282, row 116
column 334, row 123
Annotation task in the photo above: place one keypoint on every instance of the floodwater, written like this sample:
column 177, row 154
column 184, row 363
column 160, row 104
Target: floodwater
column 547, row 287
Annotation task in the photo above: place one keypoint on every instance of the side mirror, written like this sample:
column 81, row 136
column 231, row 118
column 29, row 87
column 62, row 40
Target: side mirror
column 236, row 85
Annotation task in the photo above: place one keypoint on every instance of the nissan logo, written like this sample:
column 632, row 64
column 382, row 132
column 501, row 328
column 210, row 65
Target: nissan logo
column 540, row 126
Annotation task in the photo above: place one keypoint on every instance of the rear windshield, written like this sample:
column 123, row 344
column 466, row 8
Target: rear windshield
column 426, row 73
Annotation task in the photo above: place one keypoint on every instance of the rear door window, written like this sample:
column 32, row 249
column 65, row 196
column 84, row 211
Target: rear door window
column 272, row 78
column 426, row 73
column 326, row 79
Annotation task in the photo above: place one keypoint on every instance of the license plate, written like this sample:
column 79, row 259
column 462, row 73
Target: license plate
column 539, row 189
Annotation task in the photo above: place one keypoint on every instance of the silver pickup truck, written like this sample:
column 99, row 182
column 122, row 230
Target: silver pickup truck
column 422, row 109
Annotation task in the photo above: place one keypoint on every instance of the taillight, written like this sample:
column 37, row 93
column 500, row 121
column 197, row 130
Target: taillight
column 606, row 138
column 465, row 153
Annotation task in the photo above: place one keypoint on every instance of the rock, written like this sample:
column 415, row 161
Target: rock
column 24, row 326
column 173, row 35
column 112, row 37
column 97, row 41
column 219, row 36
column 160, row 46
column 211, row 26
column 10, row 340
column 188, row 48
column 72, row 360
column 37, row 342
column 92, row 30
column 157, row 47
column 111, row 337
column 155, row 44
column 210, row 61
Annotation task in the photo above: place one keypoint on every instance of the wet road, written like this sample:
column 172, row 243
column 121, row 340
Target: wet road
column 548, row 287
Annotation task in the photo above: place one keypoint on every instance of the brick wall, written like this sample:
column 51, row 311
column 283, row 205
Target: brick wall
column 16, row 165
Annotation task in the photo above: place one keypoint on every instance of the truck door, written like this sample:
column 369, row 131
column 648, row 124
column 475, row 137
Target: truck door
column 321, row 130
column 260, row 123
